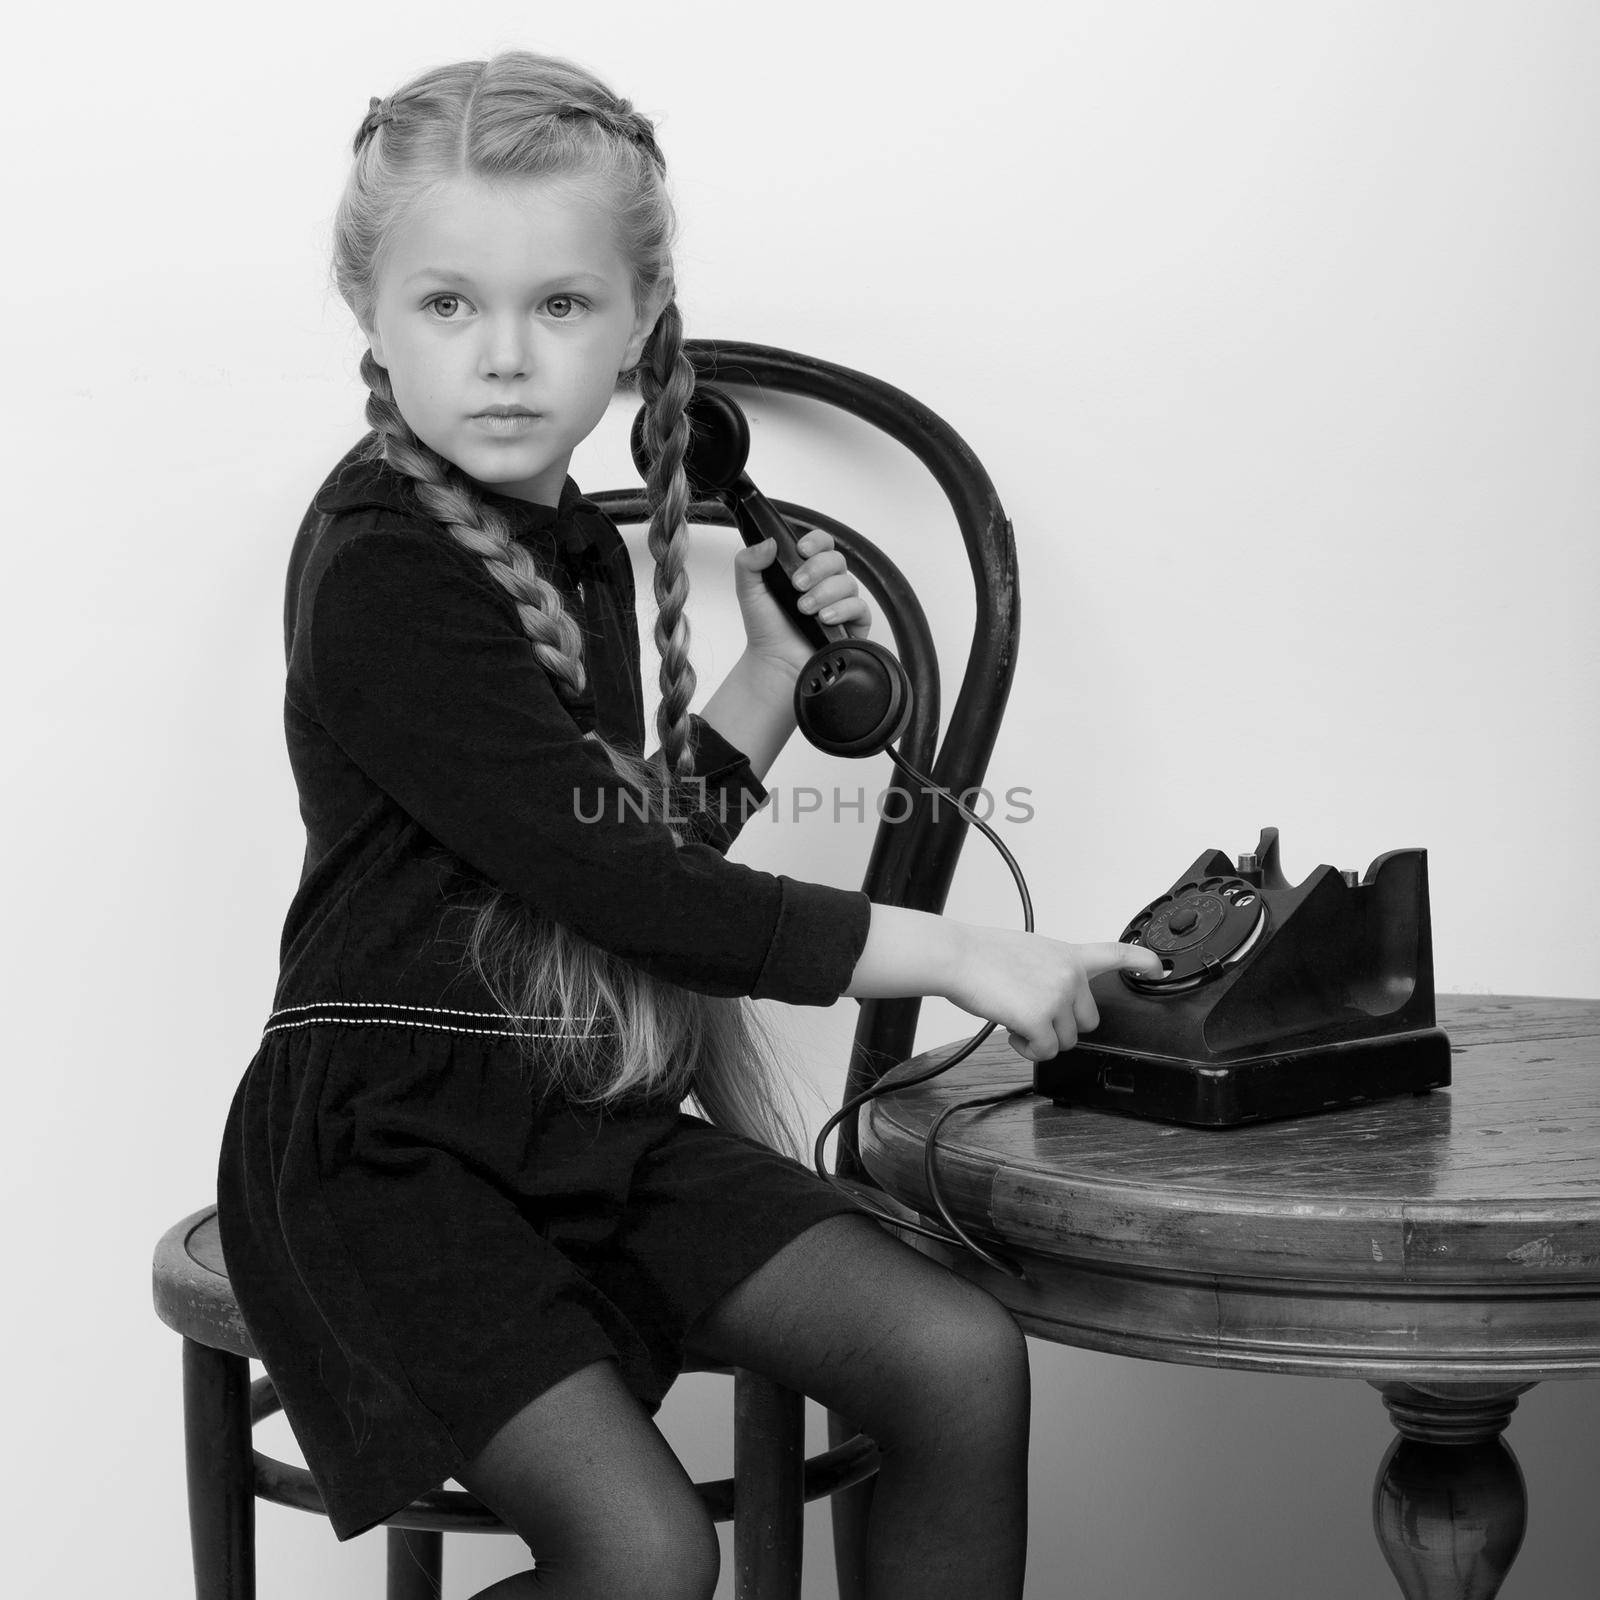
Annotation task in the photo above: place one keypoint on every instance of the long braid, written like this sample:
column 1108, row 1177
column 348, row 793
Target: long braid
column 556, row 638
column 666, row 379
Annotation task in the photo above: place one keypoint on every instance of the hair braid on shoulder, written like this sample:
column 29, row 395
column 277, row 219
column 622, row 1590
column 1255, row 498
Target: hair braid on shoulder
column 666, row 381
column 556, row 638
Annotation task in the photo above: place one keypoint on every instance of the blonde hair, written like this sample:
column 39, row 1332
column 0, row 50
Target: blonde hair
column 520, row 115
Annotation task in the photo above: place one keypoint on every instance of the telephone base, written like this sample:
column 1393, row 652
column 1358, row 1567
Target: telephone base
column 1258, row 1088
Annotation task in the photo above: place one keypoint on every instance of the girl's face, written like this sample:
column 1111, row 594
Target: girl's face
column 511, row 295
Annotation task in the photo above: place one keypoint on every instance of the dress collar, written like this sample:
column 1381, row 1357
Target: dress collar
column 565, row 531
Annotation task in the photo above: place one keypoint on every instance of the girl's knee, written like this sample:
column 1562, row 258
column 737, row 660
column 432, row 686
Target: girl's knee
column 975, row 1343
column 662, row 1549
column 602, row 1503
column 665, row 1552
column 961, row 1370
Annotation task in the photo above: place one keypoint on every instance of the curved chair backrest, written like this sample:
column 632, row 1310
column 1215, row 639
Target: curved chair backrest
column 917, row 842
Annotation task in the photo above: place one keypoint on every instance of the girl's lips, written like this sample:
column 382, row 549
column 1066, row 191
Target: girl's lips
column 496, row 422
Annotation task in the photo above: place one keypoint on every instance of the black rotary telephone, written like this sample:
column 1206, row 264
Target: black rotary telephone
column 1277, row 999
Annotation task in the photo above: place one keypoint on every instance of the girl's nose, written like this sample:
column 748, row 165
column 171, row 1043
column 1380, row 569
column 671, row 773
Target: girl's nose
column 506, row 349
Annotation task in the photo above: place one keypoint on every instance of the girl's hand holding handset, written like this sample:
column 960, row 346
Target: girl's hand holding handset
column 754, row 708
column 826, row 590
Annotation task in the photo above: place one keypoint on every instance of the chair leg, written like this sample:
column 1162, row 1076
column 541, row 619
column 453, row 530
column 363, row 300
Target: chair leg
column 768, row 1488
column 849, row 1509
column 416, row 1564
column 221, row 1471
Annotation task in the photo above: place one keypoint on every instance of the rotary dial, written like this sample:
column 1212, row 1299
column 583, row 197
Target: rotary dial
column 1197, row 930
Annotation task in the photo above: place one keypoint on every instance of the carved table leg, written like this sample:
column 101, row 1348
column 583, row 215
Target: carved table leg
column 1449, row 1505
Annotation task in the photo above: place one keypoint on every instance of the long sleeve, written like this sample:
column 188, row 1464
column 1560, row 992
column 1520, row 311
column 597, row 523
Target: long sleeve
column 732, row 793
column 426, row 682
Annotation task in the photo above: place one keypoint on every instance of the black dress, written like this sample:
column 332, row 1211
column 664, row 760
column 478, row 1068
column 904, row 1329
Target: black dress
column 417, row 1248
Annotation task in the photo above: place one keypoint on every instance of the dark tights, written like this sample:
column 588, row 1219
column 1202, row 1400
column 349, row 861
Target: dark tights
column 931, row 1367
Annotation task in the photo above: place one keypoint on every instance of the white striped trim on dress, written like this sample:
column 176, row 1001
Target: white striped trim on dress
column 338, row 1011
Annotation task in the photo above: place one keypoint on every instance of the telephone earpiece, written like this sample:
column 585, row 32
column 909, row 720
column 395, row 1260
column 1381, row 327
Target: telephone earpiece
column 852, row 697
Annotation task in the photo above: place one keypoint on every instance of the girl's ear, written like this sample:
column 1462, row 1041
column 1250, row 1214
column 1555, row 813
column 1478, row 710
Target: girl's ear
column 375, row 343
column 643, row 326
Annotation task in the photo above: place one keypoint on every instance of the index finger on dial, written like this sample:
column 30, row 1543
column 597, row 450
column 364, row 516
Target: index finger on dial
column 1117, row 957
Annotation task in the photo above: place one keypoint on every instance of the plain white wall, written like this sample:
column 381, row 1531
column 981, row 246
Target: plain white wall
column 1275, row 328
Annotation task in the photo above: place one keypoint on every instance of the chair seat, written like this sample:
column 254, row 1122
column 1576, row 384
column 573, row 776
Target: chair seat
column 190, row 1283
column 194, row 1297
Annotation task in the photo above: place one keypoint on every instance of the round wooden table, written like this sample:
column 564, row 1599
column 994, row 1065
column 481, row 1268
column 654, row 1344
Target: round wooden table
column 1443, row 1247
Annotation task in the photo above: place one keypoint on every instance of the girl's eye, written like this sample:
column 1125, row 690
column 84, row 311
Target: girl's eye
column 563, row 306
column 444, row 306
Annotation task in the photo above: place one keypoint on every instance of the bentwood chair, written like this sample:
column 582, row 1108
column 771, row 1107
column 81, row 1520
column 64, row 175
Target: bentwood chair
column 911, row 864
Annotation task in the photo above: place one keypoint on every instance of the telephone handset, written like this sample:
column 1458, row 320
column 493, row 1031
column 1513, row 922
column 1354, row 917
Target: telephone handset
column 853, row 697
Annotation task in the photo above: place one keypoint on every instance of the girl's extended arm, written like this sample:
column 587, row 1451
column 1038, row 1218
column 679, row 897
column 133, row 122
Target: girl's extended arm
column 1035, row 987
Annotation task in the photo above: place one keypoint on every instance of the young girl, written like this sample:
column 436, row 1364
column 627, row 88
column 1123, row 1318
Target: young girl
column 470, row 1228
